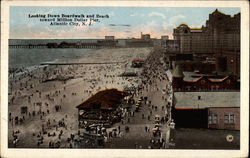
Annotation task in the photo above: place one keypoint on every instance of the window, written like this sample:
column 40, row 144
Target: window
column 213, row 119
column 226, row 118
column 229, row 118
column 199, row 97
column 210, row 119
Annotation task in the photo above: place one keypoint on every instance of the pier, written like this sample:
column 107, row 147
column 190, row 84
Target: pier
column 53, row 47
column 76, row 45
column 29, row 46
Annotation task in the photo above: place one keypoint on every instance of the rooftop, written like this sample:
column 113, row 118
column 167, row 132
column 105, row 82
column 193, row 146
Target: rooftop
column 105, row 99
column 216, row 11
column 194, row 100
column 190, row 76
column 195, row 30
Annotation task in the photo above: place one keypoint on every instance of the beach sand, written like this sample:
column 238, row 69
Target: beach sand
column 31, row 91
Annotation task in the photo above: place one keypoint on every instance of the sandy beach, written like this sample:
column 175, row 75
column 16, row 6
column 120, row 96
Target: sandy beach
column 40, row 91
column 145, row 76
column 43, row 101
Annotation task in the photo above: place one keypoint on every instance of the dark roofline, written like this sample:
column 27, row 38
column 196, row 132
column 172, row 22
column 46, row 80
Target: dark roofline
column 106, row 99
column 207, row 78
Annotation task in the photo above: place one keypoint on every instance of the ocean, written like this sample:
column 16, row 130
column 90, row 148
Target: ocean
column 33, row 57
column 23, row 57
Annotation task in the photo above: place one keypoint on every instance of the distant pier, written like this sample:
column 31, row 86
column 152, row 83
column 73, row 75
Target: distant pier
column 79, row 45
column 41, row 46
column 63, row 47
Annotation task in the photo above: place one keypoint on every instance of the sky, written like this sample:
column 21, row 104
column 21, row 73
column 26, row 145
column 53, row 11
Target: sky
column 123, row 22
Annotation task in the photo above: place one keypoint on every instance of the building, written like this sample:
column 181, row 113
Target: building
column 163, row 41
column 216, row 110
column 109, row 37
column 144, row 41
column 191, row 81
column 165, row 37
column 196, row 66
column 228, row 61
column 221, row 32
column 139, row 43
column 190, row 39
column 145, row 36
column 220, row 37
column 103, row 107
column 188, row 62
column 205, row 100
column 173, row 45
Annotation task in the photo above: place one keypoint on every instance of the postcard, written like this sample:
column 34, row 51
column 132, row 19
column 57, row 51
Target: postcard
column 124, row 79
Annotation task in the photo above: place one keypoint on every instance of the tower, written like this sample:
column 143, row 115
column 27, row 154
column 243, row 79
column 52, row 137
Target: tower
column 178, row 77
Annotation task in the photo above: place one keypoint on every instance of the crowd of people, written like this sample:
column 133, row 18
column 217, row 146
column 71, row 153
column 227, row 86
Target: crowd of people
column 49, row 102
column 147, row 108
column 47, row 97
